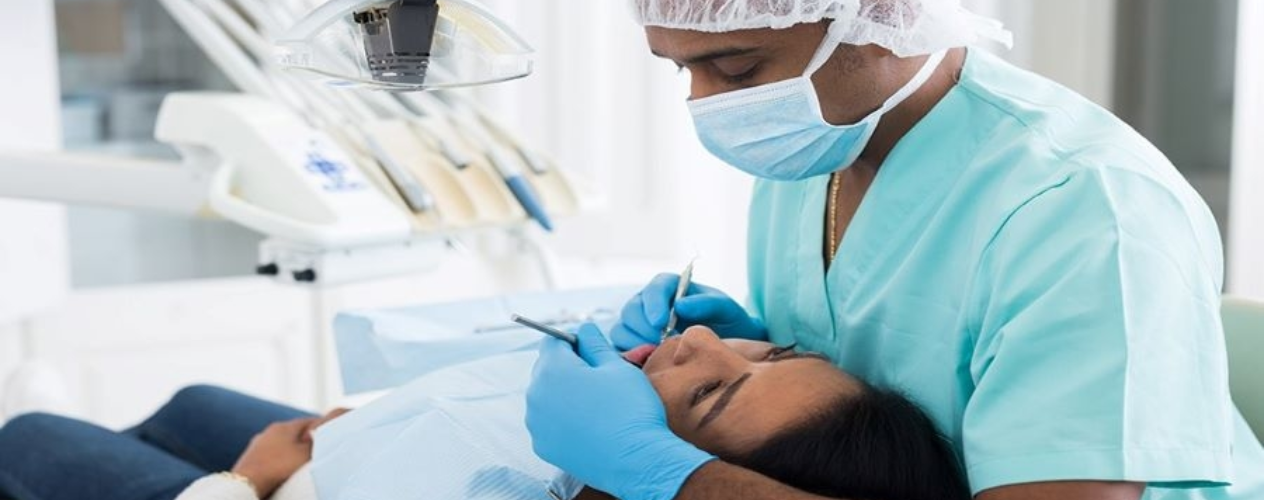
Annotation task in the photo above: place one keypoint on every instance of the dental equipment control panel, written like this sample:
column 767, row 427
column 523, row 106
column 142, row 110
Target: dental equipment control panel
column 331, row 216
column 326, row 220
column 276, row 175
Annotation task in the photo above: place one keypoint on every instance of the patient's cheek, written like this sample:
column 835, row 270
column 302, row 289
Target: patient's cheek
column 677, row 414
column 680, row 427
column 718, row 442
column 668, row 406
column 716, row 438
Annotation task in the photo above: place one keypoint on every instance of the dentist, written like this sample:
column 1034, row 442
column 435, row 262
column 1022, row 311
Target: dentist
column 1015, row 258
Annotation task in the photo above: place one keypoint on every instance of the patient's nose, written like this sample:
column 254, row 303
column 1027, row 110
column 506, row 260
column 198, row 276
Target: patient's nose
column 698, row 342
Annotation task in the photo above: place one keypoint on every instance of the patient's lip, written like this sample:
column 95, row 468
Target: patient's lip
column 640, row 355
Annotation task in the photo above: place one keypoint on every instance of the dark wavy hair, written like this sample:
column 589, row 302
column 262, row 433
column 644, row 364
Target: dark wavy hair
column 875, row 445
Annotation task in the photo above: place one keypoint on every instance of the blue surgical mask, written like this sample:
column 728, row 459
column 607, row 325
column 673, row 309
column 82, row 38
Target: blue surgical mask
column 778, row 132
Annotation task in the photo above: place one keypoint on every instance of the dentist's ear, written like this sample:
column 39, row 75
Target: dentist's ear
column 594, row 347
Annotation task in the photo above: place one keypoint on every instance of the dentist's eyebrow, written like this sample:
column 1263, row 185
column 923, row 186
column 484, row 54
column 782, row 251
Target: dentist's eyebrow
column 723, row 401
column 712, row 55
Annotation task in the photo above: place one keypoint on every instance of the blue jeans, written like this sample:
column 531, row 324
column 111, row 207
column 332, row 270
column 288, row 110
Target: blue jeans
column 201, row 430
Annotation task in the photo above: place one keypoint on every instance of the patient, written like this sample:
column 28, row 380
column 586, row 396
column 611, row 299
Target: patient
column 789, row 415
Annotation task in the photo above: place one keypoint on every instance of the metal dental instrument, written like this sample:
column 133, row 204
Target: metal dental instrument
column 569, row 338
column 686, row 278
column 418, row 199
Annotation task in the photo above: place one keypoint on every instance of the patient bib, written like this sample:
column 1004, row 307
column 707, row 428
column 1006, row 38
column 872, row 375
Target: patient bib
column 457, row 433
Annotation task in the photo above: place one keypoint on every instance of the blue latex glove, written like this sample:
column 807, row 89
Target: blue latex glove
column 597, row 417
column 645, row 316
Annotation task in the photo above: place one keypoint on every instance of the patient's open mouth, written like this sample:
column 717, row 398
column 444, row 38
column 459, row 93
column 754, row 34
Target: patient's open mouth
column 640, row 355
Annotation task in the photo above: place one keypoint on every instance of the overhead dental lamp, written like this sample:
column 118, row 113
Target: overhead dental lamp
column 404, row 45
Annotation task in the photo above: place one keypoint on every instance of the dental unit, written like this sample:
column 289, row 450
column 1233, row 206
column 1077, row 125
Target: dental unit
column 347, row 184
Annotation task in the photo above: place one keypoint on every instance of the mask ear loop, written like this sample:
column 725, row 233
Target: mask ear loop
column 833, row 40
column 923, row 75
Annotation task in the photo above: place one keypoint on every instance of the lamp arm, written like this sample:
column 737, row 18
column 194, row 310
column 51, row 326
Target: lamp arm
column 104, row 180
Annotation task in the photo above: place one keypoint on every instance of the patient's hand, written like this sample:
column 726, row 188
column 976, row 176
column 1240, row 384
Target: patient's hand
column 316, row 423
column 275, row 454
column 280, row 450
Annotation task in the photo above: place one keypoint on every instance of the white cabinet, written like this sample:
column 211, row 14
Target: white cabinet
column 124, row 351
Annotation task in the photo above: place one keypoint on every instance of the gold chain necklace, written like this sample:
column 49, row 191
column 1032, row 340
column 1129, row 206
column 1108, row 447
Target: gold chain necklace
column 835, row 185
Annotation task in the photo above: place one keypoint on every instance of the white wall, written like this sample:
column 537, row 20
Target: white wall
column 12, row 348
column 1073, row 42
column 1069, row 41
column 1246, row 250
column 33, row 265
column 613, row 113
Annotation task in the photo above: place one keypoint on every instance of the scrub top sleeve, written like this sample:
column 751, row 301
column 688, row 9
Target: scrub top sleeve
column 1099, row 353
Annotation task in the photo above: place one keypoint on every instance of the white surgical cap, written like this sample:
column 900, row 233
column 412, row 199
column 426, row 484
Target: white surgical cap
column 905, row 27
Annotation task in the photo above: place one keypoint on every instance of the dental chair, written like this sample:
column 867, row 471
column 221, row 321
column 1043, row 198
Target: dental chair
column 1244, row 337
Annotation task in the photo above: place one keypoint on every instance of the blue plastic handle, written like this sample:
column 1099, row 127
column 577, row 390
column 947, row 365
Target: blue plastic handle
column 529, row 201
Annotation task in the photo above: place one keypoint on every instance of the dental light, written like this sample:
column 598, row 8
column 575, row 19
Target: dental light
column 408, row 45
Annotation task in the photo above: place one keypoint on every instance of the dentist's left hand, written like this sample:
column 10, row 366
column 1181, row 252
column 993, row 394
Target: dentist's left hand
column 597, row 417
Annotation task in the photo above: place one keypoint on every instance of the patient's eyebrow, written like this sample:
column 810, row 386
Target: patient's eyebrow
column 802, row 355
column 723, row 401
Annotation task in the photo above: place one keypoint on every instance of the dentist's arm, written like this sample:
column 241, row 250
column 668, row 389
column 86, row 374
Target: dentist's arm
column 720, row 481
column 591, row 494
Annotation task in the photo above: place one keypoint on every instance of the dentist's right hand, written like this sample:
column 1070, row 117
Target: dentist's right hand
column 596, row 416
column 645, row 316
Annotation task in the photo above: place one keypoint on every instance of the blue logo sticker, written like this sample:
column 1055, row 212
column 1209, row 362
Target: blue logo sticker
column 333, row 174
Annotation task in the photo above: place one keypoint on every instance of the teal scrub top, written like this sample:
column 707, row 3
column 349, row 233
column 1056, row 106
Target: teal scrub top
column 1039, row 278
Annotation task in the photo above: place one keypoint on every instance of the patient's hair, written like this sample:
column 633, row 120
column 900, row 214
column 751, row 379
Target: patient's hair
column 877, row 445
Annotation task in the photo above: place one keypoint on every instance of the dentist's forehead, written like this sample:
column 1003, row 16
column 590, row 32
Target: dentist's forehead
column 733, row 15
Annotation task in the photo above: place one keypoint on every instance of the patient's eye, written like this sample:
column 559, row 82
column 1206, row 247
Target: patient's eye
column 703, row 391
column 779, row 352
